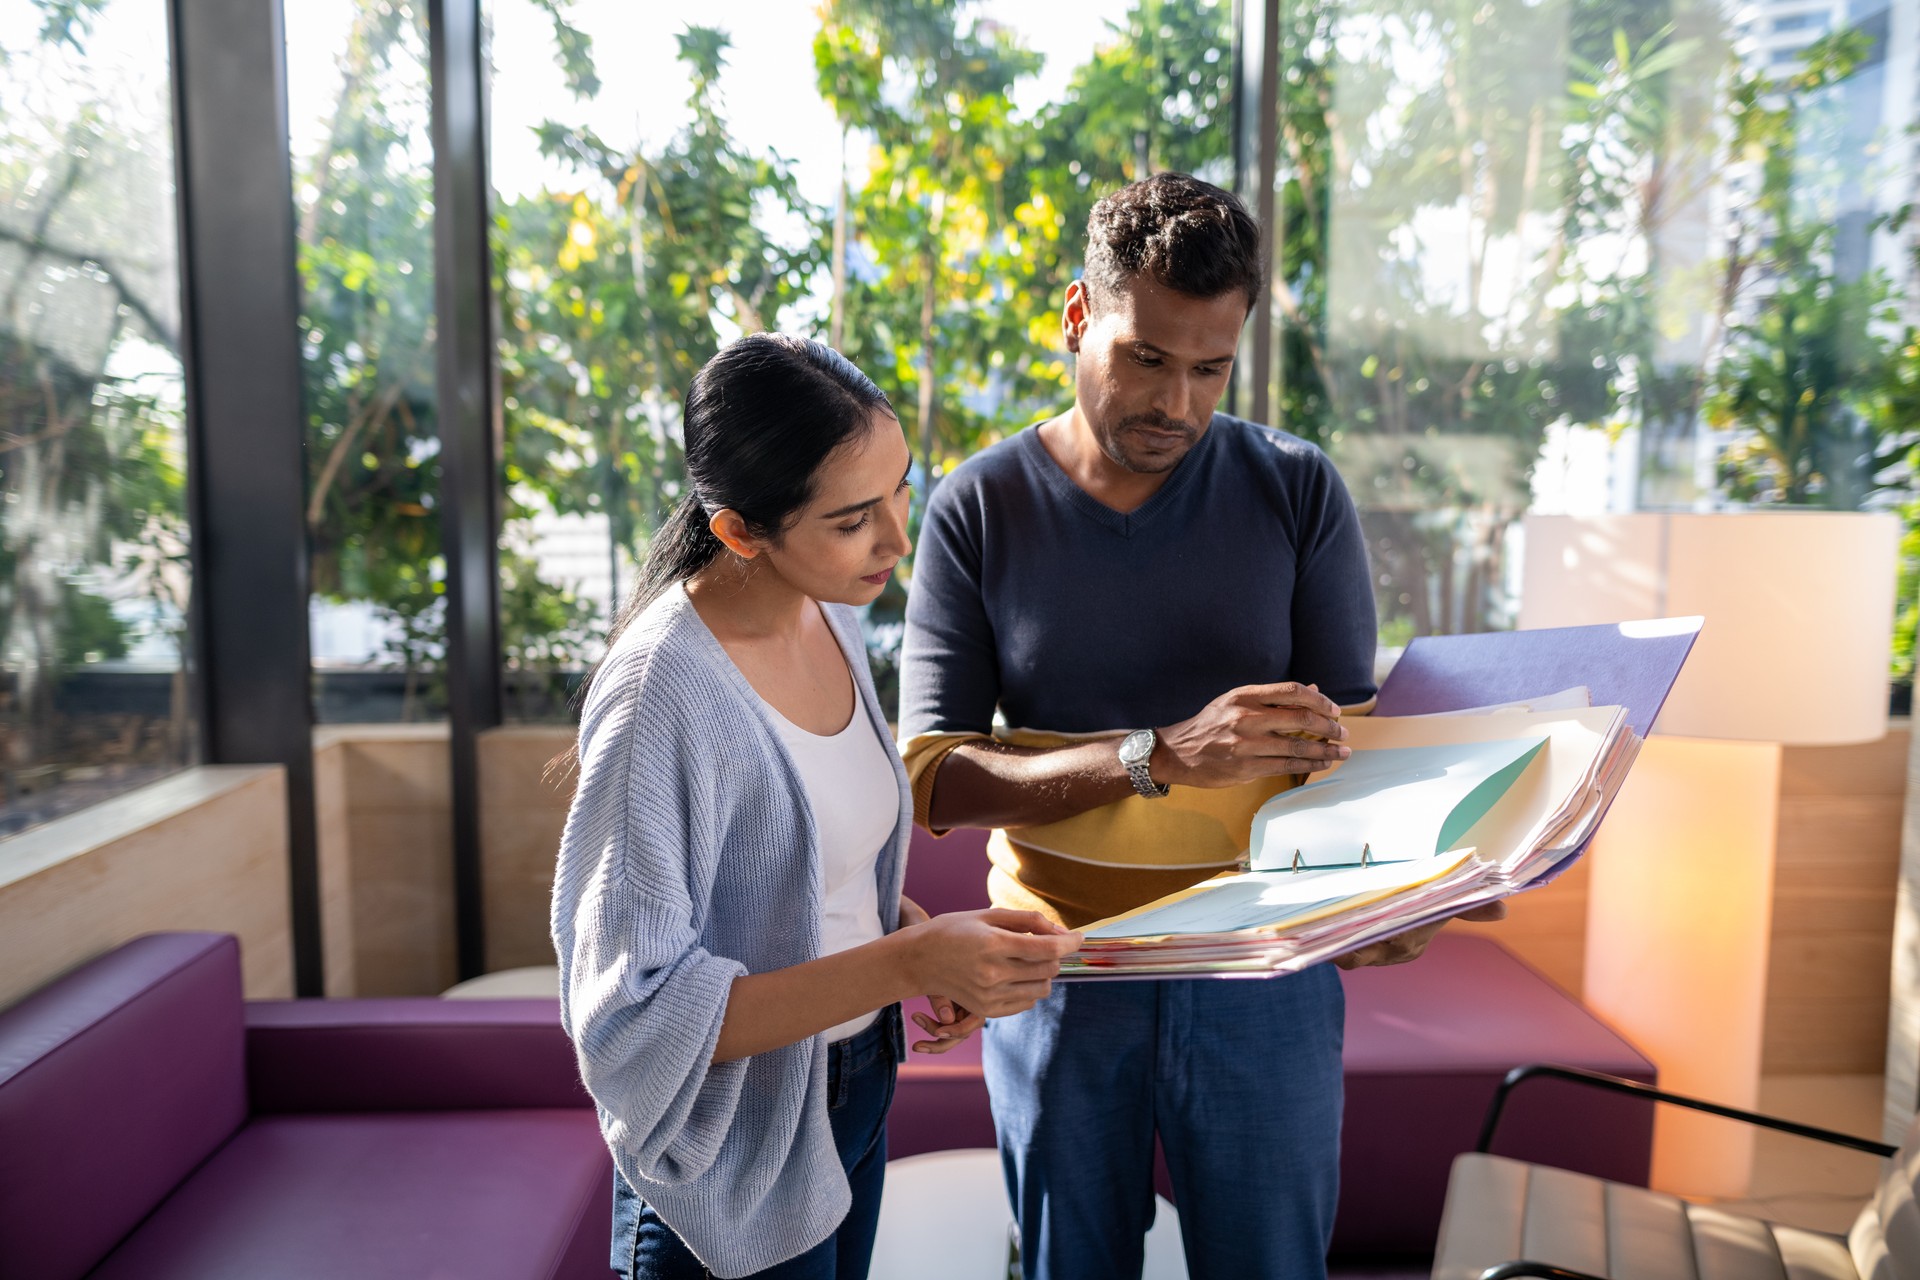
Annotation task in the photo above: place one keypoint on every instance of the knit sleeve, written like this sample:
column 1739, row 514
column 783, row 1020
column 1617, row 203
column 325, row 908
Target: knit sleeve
column 949, row 663
column 641, row 999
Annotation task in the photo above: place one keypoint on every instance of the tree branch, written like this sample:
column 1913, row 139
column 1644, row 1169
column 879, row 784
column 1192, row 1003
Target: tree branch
column 128, row 298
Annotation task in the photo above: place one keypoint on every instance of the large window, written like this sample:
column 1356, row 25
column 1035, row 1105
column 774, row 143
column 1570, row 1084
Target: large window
column 1590, row 255
column 93, row 542
column 907, row 182
column 357, row 90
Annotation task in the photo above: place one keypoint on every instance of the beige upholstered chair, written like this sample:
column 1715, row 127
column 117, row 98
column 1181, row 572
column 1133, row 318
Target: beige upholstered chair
column 1506, row 1218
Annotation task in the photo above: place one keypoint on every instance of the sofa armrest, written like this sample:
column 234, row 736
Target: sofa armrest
column 409, row 1054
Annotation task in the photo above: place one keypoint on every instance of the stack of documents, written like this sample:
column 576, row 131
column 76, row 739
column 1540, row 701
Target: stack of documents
column 1430, row 816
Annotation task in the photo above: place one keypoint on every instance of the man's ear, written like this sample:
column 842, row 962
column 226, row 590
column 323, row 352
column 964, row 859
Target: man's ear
column 731, row 529
column 1073, row 316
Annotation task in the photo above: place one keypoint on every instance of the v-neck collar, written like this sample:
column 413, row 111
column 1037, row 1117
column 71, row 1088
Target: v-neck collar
column 1124, row 523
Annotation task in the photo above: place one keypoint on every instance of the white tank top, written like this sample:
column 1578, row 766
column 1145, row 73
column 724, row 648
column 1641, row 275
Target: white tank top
column 856, row 803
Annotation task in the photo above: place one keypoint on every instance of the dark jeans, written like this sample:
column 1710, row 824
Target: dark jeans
column 860, row 1072
column 1240, row 1079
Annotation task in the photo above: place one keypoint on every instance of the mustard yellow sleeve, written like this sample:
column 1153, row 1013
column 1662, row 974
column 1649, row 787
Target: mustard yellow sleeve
column 923, row 755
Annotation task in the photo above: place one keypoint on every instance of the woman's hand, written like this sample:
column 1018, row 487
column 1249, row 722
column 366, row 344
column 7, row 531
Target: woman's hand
column 950, row 1024
column 988, row 963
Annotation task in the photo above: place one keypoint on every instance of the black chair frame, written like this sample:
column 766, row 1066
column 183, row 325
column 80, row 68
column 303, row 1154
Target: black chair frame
column 1520, row 1268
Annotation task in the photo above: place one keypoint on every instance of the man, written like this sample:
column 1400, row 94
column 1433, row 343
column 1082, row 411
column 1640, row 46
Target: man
column 1171, row 610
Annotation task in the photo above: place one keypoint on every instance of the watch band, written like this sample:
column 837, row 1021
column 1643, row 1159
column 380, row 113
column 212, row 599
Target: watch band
column 1143, row 782
column 1137, row 770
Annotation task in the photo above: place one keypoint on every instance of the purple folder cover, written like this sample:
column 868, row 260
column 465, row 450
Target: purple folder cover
column 1627, row 664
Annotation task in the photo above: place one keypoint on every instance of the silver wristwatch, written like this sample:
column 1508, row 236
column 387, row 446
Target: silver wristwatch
column 1136, row 749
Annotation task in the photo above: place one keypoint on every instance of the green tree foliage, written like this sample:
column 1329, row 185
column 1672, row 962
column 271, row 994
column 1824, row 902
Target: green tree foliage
column 1556, row 160
column 1802, row 371
column 364, row 202
column 1482, row 214
column 969, row 226
column 1898, row 413
column 1424, row 253
column 92, row 494
column 931, row 84
column 615, row 292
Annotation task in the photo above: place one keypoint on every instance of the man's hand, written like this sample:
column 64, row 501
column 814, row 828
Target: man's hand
column 1257, row 731
column 1403, row 947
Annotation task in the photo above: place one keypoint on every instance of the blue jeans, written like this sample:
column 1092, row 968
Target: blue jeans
column 860, row 1073
column 1241, row 1080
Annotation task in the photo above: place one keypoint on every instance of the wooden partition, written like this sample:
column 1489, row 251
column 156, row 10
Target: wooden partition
column 386, row 857
column 1835, row 871
column 203, row 849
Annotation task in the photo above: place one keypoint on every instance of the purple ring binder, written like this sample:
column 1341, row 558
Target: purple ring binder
column 1624, row 664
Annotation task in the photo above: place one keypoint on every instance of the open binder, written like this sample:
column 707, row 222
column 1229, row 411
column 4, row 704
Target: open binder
column 1481, row 773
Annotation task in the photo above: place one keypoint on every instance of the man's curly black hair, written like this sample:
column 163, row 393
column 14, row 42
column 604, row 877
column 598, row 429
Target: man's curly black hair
column 1187, row 235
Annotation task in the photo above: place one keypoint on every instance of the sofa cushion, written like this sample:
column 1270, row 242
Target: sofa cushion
column 940, row 1099
column 1501, row 1210
column 115, row 1082
column 409, row 1054
column 473, row 1194
column 1427, row 1045
column 948, row 873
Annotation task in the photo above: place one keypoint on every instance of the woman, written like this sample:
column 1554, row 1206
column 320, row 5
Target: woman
column 727, row 912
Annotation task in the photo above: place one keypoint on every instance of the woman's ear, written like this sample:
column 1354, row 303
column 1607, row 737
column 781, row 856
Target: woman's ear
column 732, row 531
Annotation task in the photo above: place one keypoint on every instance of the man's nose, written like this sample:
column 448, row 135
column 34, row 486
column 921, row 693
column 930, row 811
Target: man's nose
column 1174, row 398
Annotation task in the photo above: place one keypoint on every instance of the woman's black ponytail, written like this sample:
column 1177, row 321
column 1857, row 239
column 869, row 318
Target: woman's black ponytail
column 682, row 546
column 761, row 416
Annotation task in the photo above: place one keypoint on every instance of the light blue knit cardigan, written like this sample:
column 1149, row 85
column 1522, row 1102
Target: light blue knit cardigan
column 690, row 857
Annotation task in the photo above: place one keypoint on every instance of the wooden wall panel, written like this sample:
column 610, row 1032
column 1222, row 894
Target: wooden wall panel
column 203, row 849
column 1835, row 872
column 1546, row 927
column 521, row 816
column 1836, row 866
column 386, row 833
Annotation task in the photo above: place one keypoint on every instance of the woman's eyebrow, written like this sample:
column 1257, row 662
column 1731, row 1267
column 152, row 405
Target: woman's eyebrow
column 847, row 511
column 862, row 506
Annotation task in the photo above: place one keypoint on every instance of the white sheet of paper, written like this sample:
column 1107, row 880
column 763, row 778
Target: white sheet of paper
column 1578, row 745
column 1395, row 801
column 1266, row 899
column 1565, row 700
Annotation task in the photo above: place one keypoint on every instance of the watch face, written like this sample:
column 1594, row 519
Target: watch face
column 1136, row 747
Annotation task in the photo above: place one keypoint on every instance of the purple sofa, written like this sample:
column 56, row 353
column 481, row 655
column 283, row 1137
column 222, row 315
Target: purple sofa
column 154, row 1125
column 1426, row 1046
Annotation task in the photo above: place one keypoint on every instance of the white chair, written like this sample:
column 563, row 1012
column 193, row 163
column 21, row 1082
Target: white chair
column 1507, row 1219
column 540, row 981
column 944, row 1216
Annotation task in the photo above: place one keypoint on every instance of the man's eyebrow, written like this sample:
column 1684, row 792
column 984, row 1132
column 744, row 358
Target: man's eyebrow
column 1141, row 344
column 862, row 506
